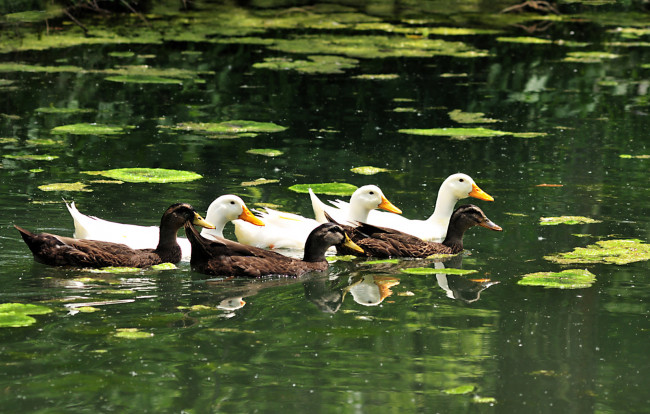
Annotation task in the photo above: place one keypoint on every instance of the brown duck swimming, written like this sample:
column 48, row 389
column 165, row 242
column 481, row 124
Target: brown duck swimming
column 223, row 257
column 54, row 250
column 383, row 242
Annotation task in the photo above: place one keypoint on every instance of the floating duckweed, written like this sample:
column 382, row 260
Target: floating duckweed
column 483, row 400
column 88, row 129
column 144, row 79
column 470, row 117
column 87, row 309
column 403, row 109
column 315, row 64
column 643, row 157
column 43, row 141
column 529, row 134
column 164, row 266
column 15, row 315
column 78, row 186
column 458, row 133
column 526, row 40
column 132, row 333
column 344, row 258
column 431, row 271
column 19, row 67
column 605, row 251
column 8, row 140
column 566, row 279
column 439, row 256
column 62, row 111
column 36, row 170
column 32, row 157
column 148, row 175
column 267, row 152
column 554, row 221
column 458, row 31
column 460, row 390
column 340, row 189
column 454, row 75
column 368, row 170
column 589, row 57
column 230, row 127
column 377, row 76
column 259, row 181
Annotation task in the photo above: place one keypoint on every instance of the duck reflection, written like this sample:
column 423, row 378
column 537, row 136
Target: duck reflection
column 365, row 289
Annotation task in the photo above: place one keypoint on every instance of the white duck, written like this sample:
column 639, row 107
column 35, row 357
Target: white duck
column 289, row 231
column 222, row 210
column 454, row 188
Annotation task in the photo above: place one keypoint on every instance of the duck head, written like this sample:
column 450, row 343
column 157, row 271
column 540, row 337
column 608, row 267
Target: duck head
column 322, row 238
column 462, row 186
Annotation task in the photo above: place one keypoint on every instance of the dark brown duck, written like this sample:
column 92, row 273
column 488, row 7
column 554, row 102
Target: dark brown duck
column 384, row 242
column 55, row 250
column 223, row 257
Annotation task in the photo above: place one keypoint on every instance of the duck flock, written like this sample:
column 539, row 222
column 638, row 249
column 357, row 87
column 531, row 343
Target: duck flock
column 352, row 228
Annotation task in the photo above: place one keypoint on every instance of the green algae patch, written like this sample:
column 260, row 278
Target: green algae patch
column 132, row 333
column 344, row 258
column 62, row 111
column 31, row 157
column 470, row 117
column 529, row 134
column 16, row 315
column 368, row 170
column 77, row 186
column 87, row 309
column 528, row 40
column 383, row 261
column 460, row 390
column 22, row 67
column 88, row 129
column 616, row 251
column 340, row 189
column 122, row 54
column 237, row 127
column 628, row 156
column 554, row 221
column 459, row 31
column 267, row 152
column 457, row 133
column 316, row 64
column 566, row 279
column 164, row 266
column 147, row 175
column 423, row 271
column 144, row 79
column 377, row 76
column 37, row 142
column 115, row 269
column 589, row 57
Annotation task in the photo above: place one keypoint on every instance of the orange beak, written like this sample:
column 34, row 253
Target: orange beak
column 480, row 194
column 387, row 205
column 246, row 215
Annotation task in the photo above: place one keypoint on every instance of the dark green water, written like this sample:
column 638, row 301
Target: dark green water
column 306, row 345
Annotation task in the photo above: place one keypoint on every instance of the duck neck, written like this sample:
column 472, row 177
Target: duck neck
column 444, row 208
column 358, row 212
column 455, row 232
column 314, row 252
column 218, row 220
column 168, row 247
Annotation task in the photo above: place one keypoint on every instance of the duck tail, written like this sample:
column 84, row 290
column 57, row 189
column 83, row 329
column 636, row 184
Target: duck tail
column 318, row 207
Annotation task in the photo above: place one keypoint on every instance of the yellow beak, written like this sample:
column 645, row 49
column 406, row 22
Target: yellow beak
column 246, row 215
column 480, row 194
column 352, row 245
column 198, row 220
column 387, row 205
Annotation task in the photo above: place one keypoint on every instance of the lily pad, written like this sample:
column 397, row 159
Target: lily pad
column 643, row 156
column 340, row 189
column 432, row 271
column 456, row 132
column 267, row 152
column 78, row 186
column 377, row 76
column 88, row 129
column 459, row 31
column 259, row 181
column 566, row 279
column 127, row 54
column 14, row 315
column 614, row 251
column 529, row 134
column 164, row 266
column 383, row 261
column 525, row 40
column 32, row 157
column 144, row 79
column 589, row 57
column 368, row 170
column 470, row 117
column 460, row 390
column 132, row 333
column 315, row 64
column 147, row 175
column 62, row 111
column 43, row 142
column 229, row 127
column 554, row 221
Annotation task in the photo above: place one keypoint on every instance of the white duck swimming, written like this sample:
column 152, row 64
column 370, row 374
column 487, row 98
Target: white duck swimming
column 454, row 188
column 222, row 210
column 290, row 231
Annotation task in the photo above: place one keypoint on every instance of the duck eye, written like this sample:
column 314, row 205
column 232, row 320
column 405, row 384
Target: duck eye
column 232, row 202
column 462, row 180
column 372, row 193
